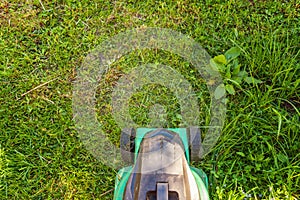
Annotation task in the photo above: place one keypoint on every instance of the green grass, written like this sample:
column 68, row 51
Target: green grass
column 41, row 155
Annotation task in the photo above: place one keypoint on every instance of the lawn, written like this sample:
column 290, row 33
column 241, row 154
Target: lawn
column 43, row 43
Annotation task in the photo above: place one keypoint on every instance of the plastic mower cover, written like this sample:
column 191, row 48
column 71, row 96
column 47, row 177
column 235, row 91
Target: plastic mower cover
column 161, row 171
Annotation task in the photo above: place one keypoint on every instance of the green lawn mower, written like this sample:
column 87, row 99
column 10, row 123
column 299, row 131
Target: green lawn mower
column 160, row 165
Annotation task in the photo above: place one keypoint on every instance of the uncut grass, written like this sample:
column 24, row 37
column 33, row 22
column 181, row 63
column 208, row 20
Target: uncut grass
column 41, row 155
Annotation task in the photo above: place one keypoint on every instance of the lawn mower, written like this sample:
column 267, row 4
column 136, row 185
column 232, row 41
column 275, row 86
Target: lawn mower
column 159, row 165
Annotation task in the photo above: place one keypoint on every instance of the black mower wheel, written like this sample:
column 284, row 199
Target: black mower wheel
column 127, row 145
column 195, row 143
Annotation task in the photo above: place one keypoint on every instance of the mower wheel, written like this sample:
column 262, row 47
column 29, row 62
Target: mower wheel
column 195, row 143
column 127, row 145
